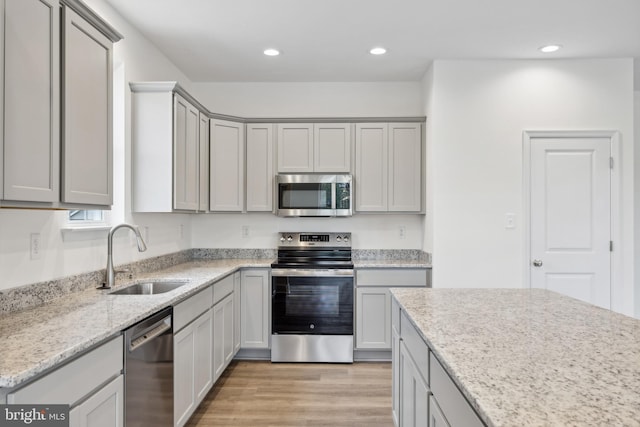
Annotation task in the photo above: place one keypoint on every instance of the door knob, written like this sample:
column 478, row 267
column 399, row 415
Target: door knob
column 537, row 263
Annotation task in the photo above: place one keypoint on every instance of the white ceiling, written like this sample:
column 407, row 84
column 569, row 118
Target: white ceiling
column 329, row 40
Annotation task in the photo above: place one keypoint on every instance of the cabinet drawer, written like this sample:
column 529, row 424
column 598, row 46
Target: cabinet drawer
column 186, row 311
column 453, row 404
column 397, row 277
column 416, row 346
column 76, row 379
column 222, row 288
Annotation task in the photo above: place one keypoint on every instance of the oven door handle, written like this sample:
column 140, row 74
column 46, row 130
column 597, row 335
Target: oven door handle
column 298, row 272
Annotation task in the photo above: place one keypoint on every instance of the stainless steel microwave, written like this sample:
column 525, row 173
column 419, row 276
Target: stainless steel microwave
column 314, row 195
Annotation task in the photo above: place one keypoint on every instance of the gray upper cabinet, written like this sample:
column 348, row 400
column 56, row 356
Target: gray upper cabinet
column 259, row 167
column 388, row 171
column 186, row 147
column 165, row 149
column 226, row 166
column 203, row 203
column 42, row 59
column 319, row 147
column 30, row 102
column 87, row 142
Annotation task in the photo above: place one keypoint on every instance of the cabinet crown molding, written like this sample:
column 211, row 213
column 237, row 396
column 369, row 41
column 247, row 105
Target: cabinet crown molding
column 94, row 19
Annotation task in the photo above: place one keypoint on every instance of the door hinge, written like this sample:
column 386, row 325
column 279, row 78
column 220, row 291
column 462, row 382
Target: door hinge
column 610, row 245
column 610, row 162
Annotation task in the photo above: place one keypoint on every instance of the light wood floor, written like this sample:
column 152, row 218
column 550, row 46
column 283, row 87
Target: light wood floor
column 265, row 394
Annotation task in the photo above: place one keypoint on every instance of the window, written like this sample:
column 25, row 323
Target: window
column 78, row 216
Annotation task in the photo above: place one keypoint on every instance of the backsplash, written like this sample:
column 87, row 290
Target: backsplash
column 391, row 255
column 35, row 294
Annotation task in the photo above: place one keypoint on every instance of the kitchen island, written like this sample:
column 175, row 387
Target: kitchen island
column 525, row 357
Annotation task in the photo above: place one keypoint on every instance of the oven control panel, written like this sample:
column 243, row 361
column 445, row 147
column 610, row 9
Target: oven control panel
column 292, row 240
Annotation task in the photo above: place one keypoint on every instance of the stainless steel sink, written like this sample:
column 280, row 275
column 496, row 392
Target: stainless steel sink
column 149, row 288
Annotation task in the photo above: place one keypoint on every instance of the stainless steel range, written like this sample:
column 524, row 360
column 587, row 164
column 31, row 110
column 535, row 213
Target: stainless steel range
column 312, row 298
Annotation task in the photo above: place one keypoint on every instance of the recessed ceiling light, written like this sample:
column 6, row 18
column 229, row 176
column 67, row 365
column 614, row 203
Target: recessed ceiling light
column 378, row 51
column 550, row 48
column 272, row 52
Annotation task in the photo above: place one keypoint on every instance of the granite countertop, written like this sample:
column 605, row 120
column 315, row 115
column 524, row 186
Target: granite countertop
column 39, row 338
column 532, row 357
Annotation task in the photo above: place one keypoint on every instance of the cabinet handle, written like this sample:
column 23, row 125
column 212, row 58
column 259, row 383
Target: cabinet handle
column 537, row 263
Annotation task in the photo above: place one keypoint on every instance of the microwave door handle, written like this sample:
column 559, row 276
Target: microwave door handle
column 333, row 195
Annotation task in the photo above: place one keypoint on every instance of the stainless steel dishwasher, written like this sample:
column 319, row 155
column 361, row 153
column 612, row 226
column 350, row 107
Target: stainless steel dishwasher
column 148, row 371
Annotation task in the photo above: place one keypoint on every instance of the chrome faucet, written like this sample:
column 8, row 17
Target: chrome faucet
column 110, row 274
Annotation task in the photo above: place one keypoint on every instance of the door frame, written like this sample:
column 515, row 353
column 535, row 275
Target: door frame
column 617, row 296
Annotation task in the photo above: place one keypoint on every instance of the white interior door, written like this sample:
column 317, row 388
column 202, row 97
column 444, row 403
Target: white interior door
column 571, row 217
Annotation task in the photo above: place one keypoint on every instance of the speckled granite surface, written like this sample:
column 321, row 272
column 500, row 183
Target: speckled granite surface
column 532, row 357
column 390, row 258
column 37, row 339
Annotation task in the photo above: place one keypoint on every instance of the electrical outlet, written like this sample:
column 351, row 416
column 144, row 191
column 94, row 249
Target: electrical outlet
column 181, row 231
column 35, row 246
column 402, row 232
column 245, row 231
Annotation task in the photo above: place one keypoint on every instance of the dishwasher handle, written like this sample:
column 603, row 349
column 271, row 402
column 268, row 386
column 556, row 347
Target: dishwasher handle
column 148, row 329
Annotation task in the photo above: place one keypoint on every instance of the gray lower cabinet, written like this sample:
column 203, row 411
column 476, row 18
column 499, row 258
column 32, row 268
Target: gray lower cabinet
column 423, row 393
column 102, row 409
column 254, row 308
column 223, row 325
column 373, row 303
column 56, row 105
column 95, row 395
column 192, row 353
column 414, row 392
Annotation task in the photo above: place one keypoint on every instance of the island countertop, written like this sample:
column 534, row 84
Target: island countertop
column 532, row 357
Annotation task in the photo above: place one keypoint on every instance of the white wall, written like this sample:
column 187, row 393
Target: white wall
column 479, row 111
column 137, row 59
column 369, row 231
column 299, row 99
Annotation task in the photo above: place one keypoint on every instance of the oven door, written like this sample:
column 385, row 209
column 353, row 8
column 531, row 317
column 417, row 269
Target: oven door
column 312, row 302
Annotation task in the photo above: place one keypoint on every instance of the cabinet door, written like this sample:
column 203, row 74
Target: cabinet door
column 223, row 335
column 236, row 312
column 254, row 309
column 185, row 155
column 295, row 148
column 203, row 355
column 105, row 408
column 218, row 340
column 30, row 160
column 405, row 167
column 395, row 376
column 226, row 166
column 371, row 174
column 87, row 134
column 414, row 393
column 436, row 417
column 332, row 147
column 203, row 171
column 228, row 346
column 373, row 318
column 259, row 167
column 184, row 399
